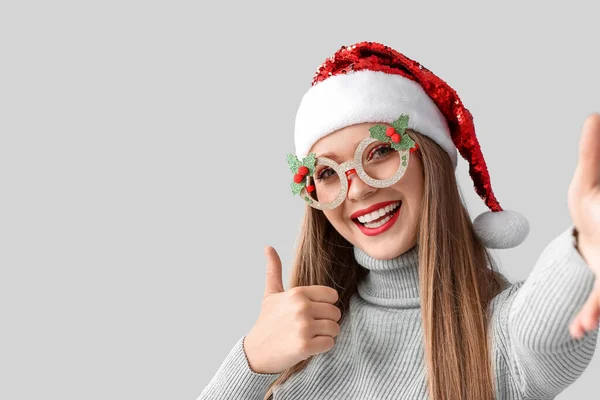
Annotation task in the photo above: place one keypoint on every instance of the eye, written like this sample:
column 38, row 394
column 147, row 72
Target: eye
column 380, row 151
column 325, row 173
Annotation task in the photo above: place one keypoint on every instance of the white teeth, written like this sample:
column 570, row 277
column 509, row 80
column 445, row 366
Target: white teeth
column 378, row 224
column 377, row 214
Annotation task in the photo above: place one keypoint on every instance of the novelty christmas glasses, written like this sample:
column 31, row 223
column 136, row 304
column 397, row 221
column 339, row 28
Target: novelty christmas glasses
column 380, row 160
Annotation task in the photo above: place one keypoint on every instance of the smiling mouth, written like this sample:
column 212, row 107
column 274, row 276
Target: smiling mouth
column 379, row 217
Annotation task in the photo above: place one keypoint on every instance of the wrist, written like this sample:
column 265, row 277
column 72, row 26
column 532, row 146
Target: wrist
column 247, row 347
column 585, row 249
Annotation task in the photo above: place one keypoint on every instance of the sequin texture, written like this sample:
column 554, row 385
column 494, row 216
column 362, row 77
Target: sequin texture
column 378, row 57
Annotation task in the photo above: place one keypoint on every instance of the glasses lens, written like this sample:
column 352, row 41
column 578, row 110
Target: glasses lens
column 381, row 161
column 327, row 184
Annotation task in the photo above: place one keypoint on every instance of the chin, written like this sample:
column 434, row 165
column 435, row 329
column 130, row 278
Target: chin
column 386, row 248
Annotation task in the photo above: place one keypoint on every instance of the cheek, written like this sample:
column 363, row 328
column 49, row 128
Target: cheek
column 334, row 216
column 411, row 184
column 340, row 224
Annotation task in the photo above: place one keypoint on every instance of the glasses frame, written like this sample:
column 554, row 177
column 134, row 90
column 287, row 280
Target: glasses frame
column 355, row 164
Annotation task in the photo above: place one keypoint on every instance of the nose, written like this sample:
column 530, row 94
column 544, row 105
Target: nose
column 360, row 189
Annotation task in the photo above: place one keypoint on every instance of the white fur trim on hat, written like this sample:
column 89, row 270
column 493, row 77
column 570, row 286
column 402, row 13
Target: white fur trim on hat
column 368, row 96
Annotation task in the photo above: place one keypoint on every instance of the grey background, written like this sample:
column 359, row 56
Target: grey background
column 142, row 166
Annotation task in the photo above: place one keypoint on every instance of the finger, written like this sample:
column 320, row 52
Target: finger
column 590, row 319
column 325, row 327
column 578, row 328
column 325, row 311
column 575, row 329
column 273, row 279
column 320, row 293
column 587, row 172
column 320, row 344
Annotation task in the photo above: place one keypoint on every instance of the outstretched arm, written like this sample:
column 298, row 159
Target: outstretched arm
column 544, row 357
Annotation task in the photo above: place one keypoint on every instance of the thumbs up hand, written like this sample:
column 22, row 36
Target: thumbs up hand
column 293, row 324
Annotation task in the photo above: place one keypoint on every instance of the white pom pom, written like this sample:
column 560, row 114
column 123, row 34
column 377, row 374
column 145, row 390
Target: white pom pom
column 501, row 229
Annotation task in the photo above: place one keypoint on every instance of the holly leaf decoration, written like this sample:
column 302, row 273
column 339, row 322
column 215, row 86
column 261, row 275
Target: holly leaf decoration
column 309, row 162
column 293, row 162
column 405, row 143
column 401, row 124
column 297, row 187
column 378, row 132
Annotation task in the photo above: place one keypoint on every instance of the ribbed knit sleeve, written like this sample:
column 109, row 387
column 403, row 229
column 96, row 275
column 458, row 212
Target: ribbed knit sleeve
column 235, row 380
column 543, row 356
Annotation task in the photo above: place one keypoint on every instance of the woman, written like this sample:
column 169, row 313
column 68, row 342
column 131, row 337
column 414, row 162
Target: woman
column 393, row 292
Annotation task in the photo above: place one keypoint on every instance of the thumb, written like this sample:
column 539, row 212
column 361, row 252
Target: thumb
column 274, row 282
column 587, row 176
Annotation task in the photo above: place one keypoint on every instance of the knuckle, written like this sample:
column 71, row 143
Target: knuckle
column 304, row 328
column 338, row 314
column 331, row 327
column 303, row 346
column 336, row 329
column 335, row 294
column 302, row 306
column 330, row 343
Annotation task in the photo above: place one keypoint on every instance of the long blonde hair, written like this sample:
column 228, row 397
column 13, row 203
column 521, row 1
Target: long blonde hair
column 457, row 276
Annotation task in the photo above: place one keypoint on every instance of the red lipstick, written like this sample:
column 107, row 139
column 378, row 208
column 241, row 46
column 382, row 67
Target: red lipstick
column 372, row 208
column 382, row 228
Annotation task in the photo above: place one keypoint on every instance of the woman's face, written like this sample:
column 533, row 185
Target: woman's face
column 399, row 233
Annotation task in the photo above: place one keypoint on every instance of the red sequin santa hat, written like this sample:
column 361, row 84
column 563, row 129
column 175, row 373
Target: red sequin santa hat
column 371, row 82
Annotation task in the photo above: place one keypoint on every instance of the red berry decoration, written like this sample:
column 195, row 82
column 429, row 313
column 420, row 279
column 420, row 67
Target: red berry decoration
column 395, row 138
column 303, row 170
column 413, row 149
column 298, row 178
column 390, row 131
column 310, row 188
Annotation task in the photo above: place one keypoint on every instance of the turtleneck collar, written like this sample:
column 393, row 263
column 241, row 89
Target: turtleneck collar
column 390, row 283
